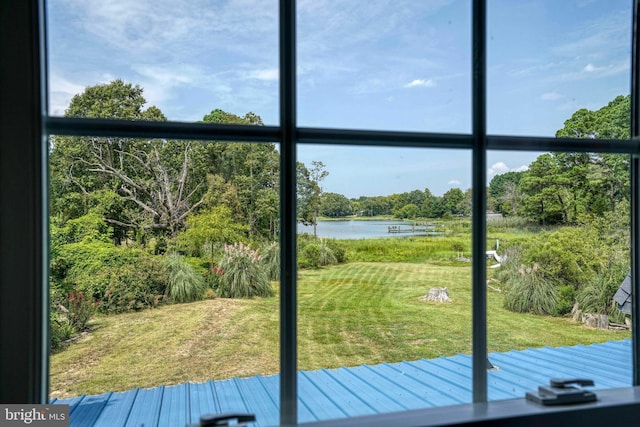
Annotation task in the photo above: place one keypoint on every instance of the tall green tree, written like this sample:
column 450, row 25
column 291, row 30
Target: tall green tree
column 565, row 187
column 310, row 193
column 503, row 194
column 251, row 169
column 158, row 179
column 335, row 205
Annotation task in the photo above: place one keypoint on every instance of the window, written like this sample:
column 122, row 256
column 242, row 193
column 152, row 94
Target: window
column 24, row 360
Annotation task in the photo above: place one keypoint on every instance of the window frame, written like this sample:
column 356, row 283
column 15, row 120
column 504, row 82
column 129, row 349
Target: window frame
column 25, row 126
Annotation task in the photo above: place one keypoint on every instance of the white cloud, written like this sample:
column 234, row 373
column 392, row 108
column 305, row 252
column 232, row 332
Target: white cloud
column 550, row 96
column 454, row 182
column 590, row 68
column 421, row 83
column 499, row 168
column 267, row 74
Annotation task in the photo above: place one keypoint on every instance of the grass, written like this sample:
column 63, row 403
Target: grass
column 348, row 315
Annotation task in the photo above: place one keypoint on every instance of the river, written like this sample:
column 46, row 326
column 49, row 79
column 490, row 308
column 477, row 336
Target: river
column 353, row 229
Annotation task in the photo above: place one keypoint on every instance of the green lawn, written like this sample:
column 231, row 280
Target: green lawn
column 350, row 314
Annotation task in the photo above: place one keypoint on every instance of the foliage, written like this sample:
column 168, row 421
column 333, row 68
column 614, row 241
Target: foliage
column 315, row 253
column 560, row 188
column 243, row 273
column 310, row 192
column 409, row 211
column 79, row 310
column 158, row 182
column 596, row 296
column 504, row 195
column 271, row 260
column 210, row 230
column 338, row 250
column 335, row 205
column 184, row 283
column 571, row 255
column 530, row 291
column 59, row 328
column 120, row 279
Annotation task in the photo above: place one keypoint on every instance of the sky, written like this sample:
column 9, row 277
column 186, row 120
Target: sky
column 368, row 64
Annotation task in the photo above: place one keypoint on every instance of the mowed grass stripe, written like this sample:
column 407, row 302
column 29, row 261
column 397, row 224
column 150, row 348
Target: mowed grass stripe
column 371, row 313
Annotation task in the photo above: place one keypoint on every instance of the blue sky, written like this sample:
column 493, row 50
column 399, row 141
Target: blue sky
column 374, row 64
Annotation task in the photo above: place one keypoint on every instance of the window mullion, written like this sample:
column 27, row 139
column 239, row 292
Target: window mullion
column 635, row 199
column 479, row 183
column 288, row 196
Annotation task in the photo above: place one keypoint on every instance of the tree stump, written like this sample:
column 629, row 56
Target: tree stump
column 437, row 295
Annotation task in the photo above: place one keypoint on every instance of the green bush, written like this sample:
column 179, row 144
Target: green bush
column 571, row 255
column 59, row 328
column 339, row 251
column 596, row 296
column 530, row 291
column 184, row 284
column 118, row 279
column 566, row 300
column 271, row 260
column 243, row 274
column 79, row 310
column 309, row 256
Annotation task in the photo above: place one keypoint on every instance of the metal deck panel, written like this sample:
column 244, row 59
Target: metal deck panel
column 367, row 389
column 117, row 409
column 145, row 410
column 174, row 409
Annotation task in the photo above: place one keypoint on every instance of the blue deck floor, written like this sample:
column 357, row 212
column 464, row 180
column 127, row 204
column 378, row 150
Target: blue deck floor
column 362, row 390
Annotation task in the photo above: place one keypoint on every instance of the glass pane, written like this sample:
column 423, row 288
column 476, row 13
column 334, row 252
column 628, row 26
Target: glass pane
column 164, row 278
column 557, row 256
column 550, row 61
column 384, row 288
column 400, row 65
column 188, row 58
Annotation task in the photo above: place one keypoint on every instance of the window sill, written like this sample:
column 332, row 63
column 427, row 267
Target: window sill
column 617, row 406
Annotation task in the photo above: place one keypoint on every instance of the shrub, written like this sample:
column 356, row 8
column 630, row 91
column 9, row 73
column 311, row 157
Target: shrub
column 271, row 260
column 319, row 252
column 338, row 250
column 530, row 291
column 59, row 328
column 79, row 310
column 309, row 256
column 596, row 296
column 133, row 286
column 571, row 255
column 566, row 300
column 243, row 273
column 120, row 279
column 184, row 284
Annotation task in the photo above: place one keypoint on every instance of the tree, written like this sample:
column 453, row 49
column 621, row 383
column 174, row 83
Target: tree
column 335, row 205
column 503, row 194
column 408, row 211
column 565, row 187
column 310, row 192
column 251, row 169
column 210, row 230
column 157, row 178
column 453, row 202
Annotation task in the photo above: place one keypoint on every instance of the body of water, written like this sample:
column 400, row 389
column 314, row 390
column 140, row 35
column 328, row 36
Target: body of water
column 353, row 229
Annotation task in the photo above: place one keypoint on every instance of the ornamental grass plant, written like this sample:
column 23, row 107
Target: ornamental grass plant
column 184, row 283
column 244, row 275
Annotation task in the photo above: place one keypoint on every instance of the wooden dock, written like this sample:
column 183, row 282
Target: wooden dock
column 417, row 228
